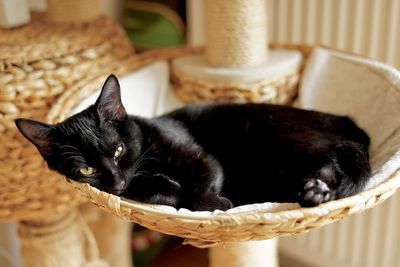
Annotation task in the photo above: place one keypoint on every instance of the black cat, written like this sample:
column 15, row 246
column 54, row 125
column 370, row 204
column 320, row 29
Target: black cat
column 206, row 157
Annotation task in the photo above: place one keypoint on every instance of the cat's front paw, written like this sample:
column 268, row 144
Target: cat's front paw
column 315, row 192
column 211, row 202
column 224, row 204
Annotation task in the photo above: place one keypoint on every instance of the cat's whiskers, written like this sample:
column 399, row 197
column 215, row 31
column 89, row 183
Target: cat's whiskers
column 142, row 160
column 142, row 155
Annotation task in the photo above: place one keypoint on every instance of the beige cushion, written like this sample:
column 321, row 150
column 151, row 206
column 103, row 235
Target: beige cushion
column 365, row 90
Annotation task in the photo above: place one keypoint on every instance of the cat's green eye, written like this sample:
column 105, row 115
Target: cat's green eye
column 118, row 152
column 87, row 171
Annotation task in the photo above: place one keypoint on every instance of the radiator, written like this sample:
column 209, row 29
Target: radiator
column 365, row 27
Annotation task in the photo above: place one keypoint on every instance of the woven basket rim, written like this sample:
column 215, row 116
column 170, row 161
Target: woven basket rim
column 354, row 204
column 390, row 184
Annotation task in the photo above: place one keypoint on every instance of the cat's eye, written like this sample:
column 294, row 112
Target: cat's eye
column 118, row 152
column 87, row 171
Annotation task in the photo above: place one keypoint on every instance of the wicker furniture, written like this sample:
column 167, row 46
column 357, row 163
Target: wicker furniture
column 38, row 63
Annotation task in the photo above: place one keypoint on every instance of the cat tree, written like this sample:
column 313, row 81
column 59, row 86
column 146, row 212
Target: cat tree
column 238, row 70
column 38, row 62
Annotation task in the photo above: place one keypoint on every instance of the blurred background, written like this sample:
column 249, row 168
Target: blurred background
column 366, row 27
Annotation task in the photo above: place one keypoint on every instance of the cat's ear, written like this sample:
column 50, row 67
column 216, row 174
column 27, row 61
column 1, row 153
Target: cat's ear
column 37, row 133
column 109, row 105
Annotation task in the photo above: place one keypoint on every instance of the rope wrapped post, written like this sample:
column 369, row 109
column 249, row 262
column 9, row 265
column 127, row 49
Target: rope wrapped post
column 73, row 11
column 76, row 246
column 252, row 253
column 236, row 32
column 115, row 242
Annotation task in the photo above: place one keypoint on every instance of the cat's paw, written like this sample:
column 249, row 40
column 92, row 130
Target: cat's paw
column 320, row 187
column 315, row 192
column 211, row 202
column 224, row 204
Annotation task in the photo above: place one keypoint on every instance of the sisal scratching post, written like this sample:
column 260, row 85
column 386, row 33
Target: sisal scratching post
column 236, row 33
column 113, row 235
column 251, row 253
column 73, row 11
column 237, row 65
column 60, row 240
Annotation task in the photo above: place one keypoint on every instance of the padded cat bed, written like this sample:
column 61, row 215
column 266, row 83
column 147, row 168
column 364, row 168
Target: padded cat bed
column 367, row 91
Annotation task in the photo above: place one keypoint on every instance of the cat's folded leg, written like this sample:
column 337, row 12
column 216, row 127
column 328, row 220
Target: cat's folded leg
column 210, row 202
column 154, row 189
column 166, row 184
column 319, row 187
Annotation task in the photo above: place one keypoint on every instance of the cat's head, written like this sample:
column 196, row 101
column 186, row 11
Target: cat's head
column 98, row 146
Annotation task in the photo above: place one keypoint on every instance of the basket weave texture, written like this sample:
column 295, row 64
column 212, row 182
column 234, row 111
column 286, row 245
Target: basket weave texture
column 194, row 90
column 282, row 90
column 205, row 230
column 39, row 62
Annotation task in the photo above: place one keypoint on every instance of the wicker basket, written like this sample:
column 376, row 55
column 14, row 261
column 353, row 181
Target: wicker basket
column 38, row 62
column 204, row 230
column 282, row 90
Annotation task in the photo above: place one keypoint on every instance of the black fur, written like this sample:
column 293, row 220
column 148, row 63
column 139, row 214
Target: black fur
column 206, row 157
